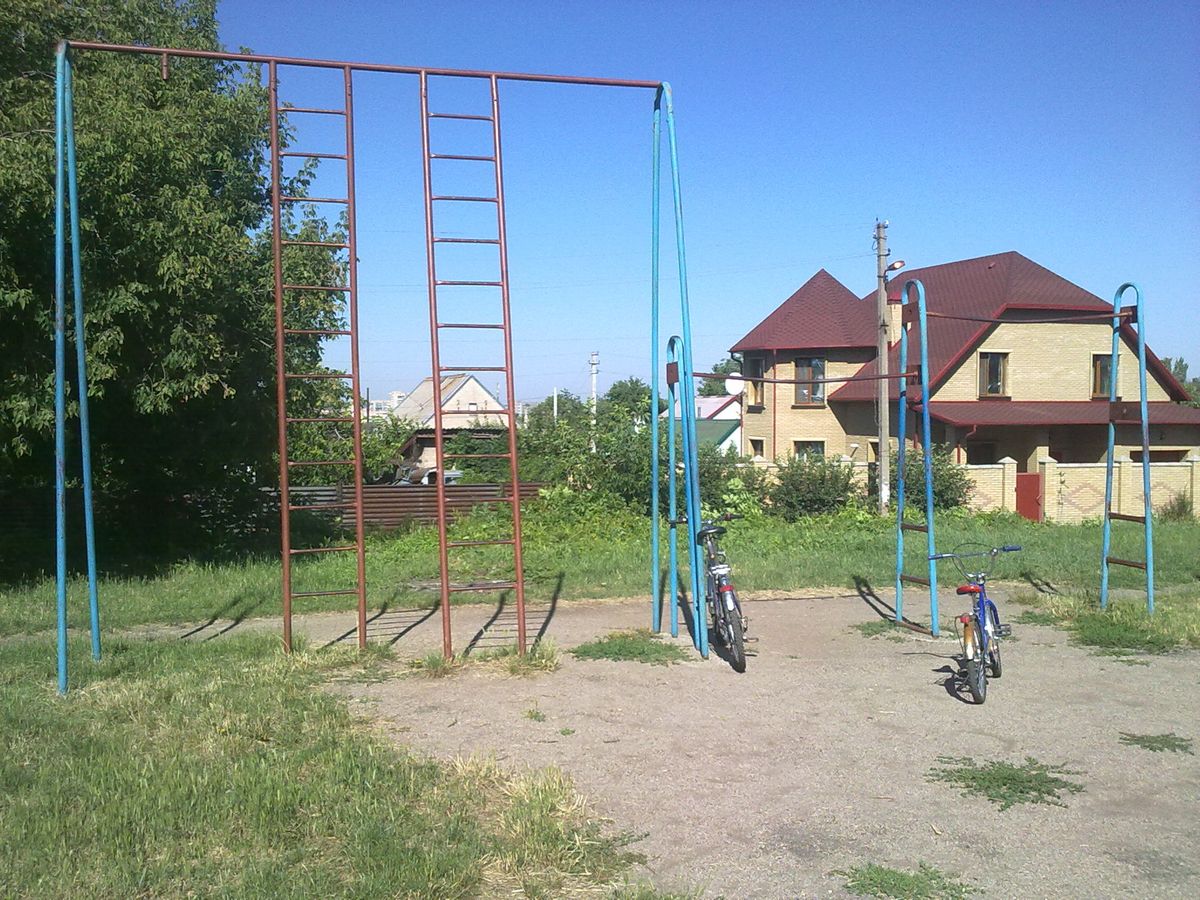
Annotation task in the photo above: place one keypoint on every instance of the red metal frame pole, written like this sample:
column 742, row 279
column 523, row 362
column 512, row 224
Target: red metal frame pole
column 443, row 558
column 511, row 403
column 285, row 535
column 356, row 396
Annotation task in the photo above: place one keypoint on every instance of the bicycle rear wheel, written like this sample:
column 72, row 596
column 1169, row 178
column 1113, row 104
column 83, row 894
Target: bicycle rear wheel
column 735, row 638
column 976, row 664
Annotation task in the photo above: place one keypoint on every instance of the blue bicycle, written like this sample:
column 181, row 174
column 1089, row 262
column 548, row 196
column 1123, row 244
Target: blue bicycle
column 981, row 628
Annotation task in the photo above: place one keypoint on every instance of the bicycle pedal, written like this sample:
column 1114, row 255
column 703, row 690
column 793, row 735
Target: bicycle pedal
column 1004, row 631
column 749, row 640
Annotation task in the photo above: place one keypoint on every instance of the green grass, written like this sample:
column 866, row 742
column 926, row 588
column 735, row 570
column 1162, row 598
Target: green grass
column 1125, row 627
column 571, row 558
column 879, row 628
column 223, row 769
column 566, row 732
column 1005, row 783
column 534, row 714
column 1159, row 743
column 632, row 646
column 542, row 657
column 926, row 883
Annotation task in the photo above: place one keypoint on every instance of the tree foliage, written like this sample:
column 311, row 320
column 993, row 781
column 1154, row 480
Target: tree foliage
column 1179, row 368
column 711, row 388
column 174, row 197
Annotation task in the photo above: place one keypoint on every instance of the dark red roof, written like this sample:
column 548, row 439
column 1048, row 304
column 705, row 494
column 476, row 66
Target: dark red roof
column 987, row 287
column 823, row 313
column 1050, row 412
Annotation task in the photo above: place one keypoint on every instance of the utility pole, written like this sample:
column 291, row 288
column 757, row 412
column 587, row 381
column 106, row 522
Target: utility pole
column 556, row 406
column 883, row 470
column 594, row 362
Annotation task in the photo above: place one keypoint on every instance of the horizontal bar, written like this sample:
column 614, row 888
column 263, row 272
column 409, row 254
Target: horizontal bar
column 1050, row 320
column 438, row 240
column 466, row 325
column 321, row 462
column 292, row 419
column 493, row 586
column 1133, row 564
column 288, row 199
column 296, row 594
column 316, row 287
column 317, row 376
column 344, row 504
column 1125, row 517
column 312, row 109
column 475, row 412
column 460, row 116
column 471, row 283
column 466, row 199
column 460, row 156
column 324, row 549
column 915, row 579
column 910, row 527
column 359, row 66
column 324, row 331
column 491, row 543
column 472, row 369
column 315, row 244
column 475, row 455
column 298, row 154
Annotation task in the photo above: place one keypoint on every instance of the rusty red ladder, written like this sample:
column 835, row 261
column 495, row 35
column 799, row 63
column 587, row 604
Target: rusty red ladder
column 437, row 327
column 283, row 292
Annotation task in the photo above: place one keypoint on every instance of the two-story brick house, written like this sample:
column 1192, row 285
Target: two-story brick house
column 1020, row 389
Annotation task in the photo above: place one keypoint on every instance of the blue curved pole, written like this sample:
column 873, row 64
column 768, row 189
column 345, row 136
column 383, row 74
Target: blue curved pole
column 902, row 444
column 655, row 523
column 85, row 430
column 672, row 488
column 1114, row 362
column 692, row 478
column 927, row 453
column 60, row 359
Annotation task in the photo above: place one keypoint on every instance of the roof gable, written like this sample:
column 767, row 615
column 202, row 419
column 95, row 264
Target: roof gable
column 822, row 313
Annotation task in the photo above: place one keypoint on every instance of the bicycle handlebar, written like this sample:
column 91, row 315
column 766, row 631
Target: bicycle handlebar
column 725, row 517
column 1007, row 548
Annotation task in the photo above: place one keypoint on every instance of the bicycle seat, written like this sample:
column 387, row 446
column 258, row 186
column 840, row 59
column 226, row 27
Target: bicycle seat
column 968, row 589
column 709, row 530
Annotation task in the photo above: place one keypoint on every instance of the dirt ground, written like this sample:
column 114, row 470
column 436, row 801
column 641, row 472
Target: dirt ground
column 815, row 760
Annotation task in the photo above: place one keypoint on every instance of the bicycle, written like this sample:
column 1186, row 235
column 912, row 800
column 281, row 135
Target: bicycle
column 982, row 630
column 729, row 624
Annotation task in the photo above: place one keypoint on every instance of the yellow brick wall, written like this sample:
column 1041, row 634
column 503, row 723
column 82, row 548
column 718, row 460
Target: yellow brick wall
column 1048, row 362
column 1075, row 492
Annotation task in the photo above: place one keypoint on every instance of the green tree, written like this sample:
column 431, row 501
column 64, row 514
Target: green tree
column 1179, row 368
column 710, row 387
column 174, row 196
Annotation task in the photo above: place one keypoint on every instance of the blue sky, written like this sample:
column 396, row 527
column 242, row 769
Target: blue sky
column 1069, row 132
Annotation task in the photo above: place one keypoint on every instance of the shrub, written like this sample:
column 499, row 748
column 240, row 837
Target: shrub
column 1177, row 509
column 951, row 485
column 809, row 485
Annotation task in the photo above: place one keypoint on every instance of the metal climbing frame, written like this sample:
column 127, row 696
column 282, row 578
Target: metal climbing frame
column 1120, row 413
column 283, row 290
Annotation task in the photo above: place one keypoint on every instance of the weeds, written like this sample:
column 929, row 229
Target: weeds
column 534, row 714
column 879, row 628
column 1159, row 743
column 927, row 883
column 1005, row 783
column 542, row 657
column 1125, row 627
column 640, row 645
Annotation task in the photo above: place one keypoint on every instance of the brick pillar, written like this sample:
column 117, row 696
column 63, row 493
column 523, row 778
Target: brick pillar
column 1123, row 487
column 1194, row 483
column 1008, row 484
column 1051, row 494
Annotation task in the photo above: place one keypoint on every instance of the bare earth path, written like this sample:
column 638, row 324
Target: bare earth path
column 763, row 784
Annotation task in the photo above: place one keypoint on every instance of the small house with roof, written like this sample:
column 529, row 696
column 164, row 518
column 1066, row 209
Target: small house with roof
column 1016, row 388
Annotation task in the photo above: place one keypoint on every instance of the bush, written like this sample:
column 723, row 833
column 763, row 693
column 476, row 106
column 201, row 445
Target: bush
column 951, row 485
column 1177, row 509
column 808, row 485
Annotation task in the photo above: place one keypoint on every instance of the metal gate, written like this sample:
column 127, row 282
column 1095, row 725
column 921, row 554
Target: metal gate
column 1031, row 496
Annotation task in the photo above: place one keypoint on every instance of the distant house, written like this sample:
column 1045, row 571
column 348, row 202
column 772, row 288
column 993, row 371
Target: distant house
column 718, row 422
column 1015, row 389
column 462, row 397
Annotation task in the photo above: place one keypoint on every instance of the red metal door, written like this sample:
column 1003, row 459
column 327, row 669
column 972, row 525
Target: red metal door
column 1030, row 495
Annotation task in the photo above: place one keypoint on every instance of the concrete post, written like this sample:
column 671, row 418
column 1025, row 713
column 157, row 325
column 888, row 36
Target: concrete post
column 1008, row 484
column 1052, row 499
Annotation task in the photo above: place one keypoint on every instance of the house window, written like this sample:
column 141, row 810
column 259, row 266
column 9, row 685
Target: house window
column 808, row 448
column 981, row 454
column 754, row 389
column 993, row 374
column 1101, row 376
column 756, row 448
column 809, row 368
column 472, row 407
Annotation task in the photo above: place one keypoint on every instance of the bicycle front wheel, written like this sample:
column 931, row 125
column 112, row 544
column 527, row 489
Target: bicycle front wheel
column 994, row 647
